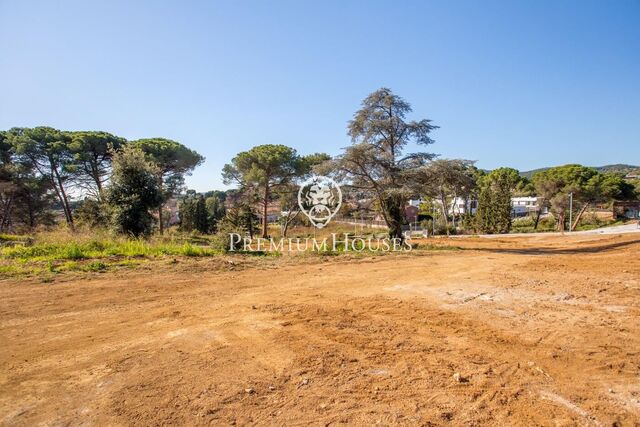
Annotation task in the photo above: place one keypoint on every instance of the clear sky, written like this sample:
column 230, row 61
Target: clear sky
column 514, row 83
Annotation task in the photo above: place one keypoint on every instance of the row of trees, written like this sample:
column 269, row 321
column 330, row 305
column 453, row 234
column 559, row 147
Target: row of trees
column 43, row 169
column 269, row 172
column 202, row 212
column 376, row 167
column 126, row 183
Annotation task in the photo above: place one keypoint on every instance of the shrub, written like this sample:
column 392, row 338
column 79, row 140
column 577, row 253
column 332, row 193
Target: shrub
column 134, row 191
column 72, row 251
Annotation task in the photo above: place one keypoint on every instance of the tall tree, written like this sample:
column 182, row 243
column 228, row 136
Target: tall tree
column 216, row 210
column 48, row 150
column 494, row 205
column 193, row 213
column 240, row 217
column 202, row 219
column 376, row 161
column 92, row 153
column 288, row 198
column 556, row 184
column 262, row 171
column 600, row 188
column 26, row 199
column 8, row 186
column 187, row 211
column 445, row 180
column 133, row 192
column 173, row 161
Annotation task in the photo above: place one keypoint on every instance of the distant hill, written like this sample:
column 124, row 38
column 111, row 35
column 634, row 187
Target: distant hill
column 621, row 168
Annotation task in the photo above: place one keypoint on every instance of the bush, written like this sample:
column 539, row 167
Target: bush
column 72, row 251
column 547, row 223
column 92, row 214
column 134, row 191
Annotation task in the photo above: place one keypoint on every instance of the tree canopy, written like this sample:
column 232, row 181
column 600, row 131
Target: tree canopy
column 445, row 180
column 172, row 161
column 92, row 152
column 264, row 169
column 47, row 150
column 376, row 161
column 587, row 185
column 494, row 203
column 133, row 192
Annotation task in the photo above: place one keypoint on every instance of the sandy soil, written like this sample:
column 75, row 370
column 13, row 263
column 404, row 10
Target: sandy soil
column 518, row 331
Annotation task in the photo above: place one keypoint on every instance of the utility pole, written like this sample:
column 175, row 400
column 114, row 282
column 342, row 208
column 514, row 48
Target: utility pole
column 570, row 211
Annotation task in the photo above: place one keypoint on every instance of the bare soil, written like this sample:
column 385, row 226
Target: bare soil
column 519, row 331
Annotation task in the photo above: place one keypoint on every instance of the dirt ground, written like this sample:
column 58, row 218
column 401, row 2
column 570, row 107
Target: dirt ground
column 519, row 331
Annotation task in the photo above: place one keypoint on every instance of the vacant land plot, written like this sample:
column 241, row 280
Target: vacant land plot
column 519, row 331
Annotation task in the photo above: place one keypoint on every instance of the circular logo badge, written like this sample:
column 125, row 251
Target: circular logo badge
column 319, row 199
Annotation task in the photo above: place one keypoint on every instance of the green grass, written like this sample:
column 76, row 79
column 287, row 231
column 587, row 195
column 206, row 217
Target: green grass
column 103, row 249
column 4, row 238
column 49, row 253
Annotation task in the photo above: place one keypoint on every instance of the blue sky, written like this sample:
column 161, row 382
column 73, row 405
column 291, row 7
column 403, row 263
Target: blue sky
column 525, row 84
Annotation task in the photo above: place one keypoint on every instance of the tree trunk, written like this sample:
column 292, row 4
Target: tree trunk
column 32, row 214
column 7, row 219
column 443, row 201
column 577, row 220
column 62, row 195
column 453, row 211
column 287, row 223
column 265, row 208
column 394, row 215
column 6, row 215
column 537, row 220
column 395, row 229
column 96, row 178
column 249, row 220
column 160, row 221
column 560, row 225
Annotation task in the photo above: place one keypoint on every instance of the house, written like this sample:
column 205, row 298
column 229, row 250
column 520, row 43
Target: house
column 457, row 207
column 523, row 206
column 460, row 206
column 630, row 209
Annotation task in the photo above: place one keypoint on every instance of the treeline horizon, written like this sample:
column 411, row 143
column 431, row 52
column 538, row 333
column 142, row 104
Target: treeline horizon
column 44, row 168
column 99, row 179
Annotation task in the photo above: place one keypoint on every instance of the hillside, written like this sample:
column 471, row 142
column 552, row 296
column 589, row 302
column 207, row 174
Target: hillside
column 621, row 168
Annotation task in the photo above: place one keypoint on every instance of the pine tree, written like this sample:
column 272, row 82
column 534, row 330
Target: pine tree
column 494, row 203
column 485, row 218
column 502, row 204
column 187, row 211
column 201, row 220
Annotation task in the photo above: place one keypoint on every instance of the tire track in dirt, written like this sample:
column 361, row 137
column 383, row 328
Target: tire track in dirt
column 537, row 338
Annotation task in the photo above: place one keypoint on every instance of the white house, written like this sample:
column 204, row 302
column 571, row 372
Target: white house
column 460, row 206
column 523, row 206
column 456, row 207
